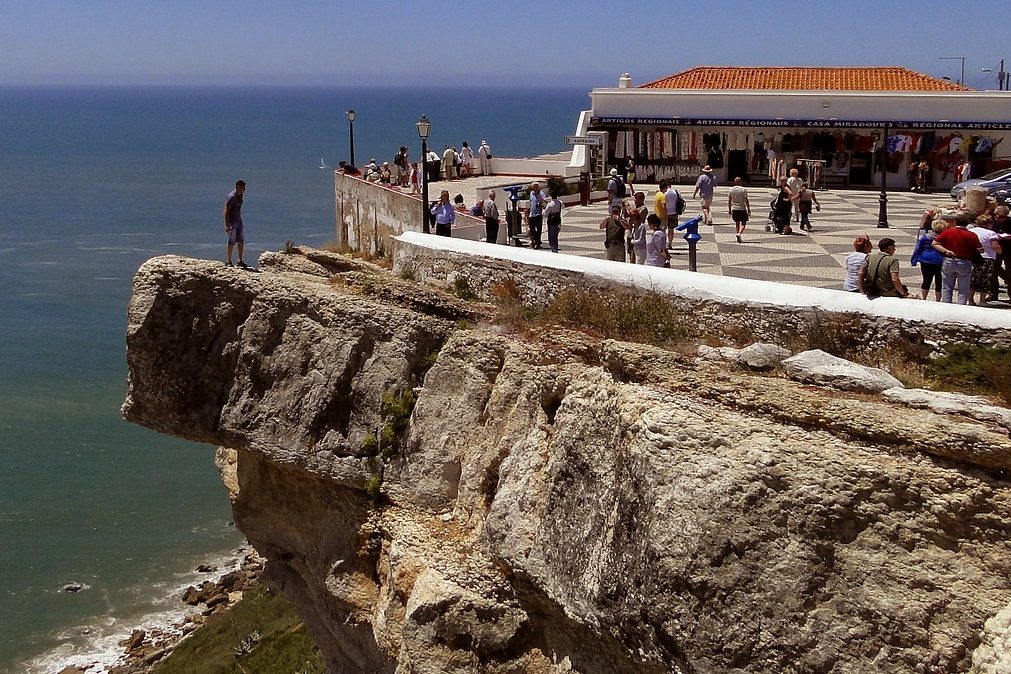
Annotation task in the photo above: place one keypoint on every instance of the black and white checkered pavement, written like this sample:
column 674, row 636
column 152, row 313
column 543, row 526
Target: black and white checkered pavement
column 806, row 258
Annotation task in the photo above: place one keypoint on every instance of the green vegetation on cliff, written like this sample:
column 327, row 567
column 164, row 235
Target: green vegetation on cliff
column 974, row 369
column 259, row 634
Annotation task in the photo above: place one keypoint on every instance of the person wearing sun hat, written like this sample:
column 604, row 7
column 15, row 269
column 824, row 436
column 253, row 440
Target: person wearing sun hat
column 705, row 188
column 484, row 155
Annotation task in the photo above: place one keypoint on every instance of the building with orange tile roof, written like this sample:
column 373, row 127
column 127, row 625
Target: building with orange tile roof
column 803, row 79
column 839, row 125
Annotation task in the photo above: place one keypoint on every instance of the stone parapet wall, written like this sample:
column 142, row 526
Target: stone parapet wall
column 732, row 309
column 369, row 216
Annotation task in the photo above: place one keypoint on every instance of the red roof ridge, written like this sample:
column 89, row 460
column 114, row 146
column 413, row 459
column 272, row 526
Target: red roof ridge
column 804, row 78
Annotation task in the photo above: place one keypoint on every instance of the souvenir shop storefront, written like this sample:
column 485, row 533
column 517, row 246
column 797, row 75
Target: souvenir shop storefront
column 835, row 138
column 837, row 153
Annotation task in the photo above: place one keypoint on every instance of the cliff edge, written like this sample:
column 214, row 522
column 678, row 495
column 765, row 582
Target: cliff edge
column 442, row 498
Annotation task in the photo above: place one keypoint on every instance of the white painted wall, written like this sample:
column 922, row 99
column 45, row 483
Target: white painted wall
column 532, row 167
column 726, row 289
column 580, row 153
column 984, row 106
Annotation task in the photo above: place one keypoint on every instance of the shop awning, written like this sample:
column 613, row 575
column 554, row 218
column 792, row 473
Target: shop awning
column 602, row 123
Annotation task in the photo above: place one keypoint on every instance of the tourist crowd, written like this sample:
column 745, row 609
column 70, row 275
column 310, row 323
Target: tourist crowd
column 404, row 172
column 963, row 256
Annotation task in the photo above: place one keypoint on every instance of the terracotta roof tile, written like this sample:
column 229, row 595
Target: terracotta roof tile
column 807, row 79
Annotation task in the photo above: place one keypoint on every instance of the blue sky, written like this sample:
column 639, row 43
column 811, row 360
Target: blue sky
column 478, row 42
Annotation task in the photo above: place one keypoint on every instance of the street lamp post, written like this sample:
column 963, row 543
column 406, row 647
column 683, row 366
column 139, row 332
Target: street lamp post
column 424, row 127
column 883, row 199
column 351, row 128
column 961, row 78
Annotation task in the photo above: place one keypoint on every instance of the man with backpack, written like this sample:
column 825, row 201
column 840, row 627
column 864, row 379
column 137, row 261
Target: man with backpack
column 616, row 189
column 879, row 274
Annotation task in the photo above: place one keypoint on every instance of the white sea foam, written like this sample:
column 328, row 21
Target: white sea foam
column 95, row 647
column 106, row 249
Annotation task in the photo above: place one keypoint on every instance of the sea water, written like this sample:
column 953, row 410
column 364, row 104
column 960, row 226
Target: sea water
column 93, row 181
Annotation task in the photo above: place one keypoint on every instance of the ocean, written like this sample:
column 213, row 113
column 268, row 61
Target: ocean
column 93, row 181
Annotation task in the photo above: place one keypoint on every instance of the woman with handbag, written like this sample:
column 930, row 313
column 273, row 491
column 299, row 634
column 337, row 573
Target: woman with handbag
column 929, row 260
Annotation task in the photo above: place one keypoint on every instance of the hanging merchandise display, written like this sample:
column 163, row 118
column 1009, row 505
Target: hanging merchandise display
column 922, row 158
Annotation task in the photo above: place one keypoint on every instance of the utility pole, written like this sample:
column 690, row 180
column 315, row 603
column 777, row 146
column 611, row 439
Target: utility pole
column 1002, row 77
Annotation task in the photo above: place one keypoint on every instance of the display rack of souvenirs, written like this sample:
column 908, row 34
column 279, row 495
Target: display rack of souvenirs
column 679, row 153
column 814, row 170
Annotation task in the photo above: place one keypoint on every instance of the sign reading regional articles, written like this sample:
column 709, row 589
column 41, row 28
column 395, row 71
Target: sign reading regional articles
column 583, row 140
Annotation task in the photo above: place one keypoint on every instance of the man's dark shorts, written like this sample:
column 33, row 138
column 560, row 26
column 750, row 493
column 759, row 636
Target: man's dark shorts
column 740, row 216
column 235, row 234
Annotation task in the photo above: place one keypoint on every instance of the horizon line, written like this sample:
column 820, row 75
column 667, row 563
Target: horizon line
column 285, row 85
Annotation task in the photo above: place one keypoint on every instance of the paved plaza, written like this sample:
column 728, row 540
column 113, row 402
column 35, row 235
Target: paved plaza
column 810, row 258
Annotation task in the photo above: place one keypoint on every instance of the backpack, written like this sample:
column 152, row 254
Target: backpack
column 620, row 190
column 398, row 159
column 679, row 204
column 870, row 280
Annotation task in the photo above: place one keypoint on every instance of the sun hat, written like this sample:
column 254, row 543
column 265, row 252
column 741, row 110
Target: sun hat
column 707, row 169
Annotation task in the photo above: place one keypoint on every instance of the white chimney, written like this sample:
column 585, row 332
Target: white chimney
column 625, row 81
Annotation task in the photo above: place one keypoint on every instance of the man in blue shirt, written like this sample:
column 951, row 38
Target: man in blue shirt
column 705, row 187
column 233, row 221
column 535, row 214
column 445, row 215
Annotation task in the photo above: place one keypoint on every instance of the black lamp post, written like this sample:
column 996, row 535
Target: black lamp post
column 883, row 199
column 424, row 127
column 351, row 127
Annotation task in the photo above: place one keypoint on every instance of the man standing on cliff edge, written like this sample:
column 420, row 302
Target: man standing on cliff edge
column 233, row 221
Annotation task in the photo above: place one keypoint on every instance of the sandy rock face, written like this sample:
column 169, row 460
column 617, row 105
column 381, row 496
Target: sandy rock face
column 557, row 506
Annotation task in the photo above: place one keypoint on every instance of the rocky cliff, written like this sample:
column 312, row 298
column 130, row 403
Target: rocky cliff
column 561, row 503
